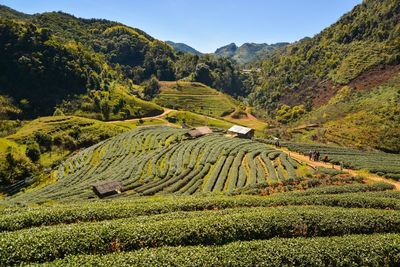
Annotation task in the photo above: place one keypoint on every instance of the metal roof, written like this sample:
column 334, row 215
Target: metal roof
column 239, row 129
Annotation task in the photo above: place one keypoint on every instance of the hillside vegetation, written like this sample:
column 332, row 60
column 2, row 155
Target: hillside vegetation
column 247, row 52
column 181, row 47
column 194, row 97
column 358, row 119
column 92, row 67
column 332, row 228
column 49, row 140
column 300, row 73
column 343, row 81
column 163, row 160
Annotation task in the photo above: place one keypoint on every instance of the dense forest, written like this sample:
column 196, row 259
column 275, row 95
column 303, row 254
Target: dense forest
column 93, row 66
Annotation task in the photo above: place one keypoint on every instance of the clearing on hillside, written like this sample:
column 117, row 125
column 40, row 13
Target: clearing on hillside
column 195, row 97
column 163, row 160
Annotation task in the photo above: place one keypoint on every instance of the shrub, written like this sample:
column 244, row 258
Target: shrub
column 33, row 152
column 355, row 250
column 28, row 245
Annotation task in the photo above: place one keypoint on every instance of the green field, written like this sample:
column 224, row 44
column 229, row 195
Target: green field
column 384, row 164
column 328, row 228
column 186, row 88
column 194, row 97
column 163, row 160
column 211, row 200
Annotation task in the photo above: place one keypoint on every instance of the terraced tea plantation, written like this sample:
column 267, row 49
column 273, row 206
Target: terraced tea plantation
column 319, row 227
column 164, row 160
column 201, row 212
column 384, row 164
column 195, row 97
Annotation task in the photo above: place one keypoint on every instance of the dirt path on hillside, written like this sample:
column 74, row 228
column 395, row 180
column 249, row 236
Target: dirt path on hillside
column 166, row 111
column 249, row 116
column 370, row 176
column 189, row 95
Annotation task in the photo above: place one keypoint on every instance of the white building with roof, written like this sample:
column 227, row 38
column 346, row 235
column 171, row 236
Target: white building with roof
column 241, row 131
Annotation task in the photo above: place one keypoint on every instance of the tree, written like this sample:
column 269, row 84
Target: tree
column 202, row 74
column 33, row 152
column 151, row 88
column 58, row 112
column 44, row 140
column 105, row 109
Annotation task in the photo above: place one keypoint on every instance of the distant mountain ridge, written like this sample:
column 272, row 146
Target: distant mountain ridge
column 247, row 52
column 181, row 47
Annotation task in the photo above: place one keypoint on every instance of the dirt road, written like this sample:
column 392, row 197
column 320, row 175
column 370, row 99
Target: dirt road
column 370, row 176
column 166, row 111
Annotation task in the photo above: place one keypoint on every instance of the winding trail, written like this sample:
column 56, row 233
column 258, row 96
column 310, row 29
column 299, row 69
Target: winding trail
column 166, row 111
column 369, row 176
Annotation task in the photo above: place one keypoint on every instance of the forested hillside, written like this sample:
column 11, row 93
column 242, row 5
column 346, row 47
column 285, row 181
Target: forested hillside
column 311, row 70
column 181, row 47
column 247, row 52
column 343, row 81
column 92, row 67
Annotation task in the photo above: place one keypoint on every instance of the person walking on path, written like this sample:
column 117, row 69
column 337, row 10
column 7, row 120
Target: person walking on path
column 317, row 156
column 310, row 155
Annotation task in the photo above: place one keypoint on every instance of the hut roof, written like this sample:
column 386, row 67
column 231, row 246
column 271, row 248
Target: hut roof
column 239, row 129
column 107, row 188
column 199, row 131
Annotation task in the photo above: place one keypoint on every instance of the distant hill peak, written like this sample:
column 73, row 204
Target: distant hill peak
column 247, row 52
column 181, row 47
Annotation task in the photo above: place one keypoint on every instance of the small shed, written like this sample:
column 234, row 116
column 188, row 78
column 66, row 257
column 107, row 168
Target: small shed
column 199, row 131
column 107, row 188
column 240, row 131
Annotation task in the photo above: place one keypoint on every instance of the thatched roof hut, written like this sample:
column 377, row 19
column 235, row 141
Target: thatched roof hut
column 199, row 131
column 107, row 188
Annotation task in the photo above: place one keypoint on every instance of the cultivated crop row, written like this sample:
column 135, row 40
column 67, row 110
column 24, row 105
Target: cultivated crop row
column 163, row 160
column 13, row 219
column 355, row 250
column 49, row 243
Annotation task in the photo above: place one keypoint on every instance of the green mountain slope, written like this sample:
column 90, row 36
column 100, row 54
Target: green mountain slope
column 367, row 36
column 41, row 69
column 345, row 79
column 181, row 47
column 359, row 118
column 91, row 66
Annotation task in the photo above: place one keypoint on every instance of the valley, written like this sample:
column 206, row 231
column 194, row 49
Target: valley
column 119, row 149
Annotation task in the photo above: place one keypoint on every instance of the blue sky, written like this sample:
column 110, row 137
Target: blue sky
column 206, row 24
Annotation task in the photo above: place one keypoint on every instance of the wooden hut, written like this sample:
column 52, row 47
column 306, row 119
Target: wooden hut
column 107, row 188
column 199, row 131
column 240, row 131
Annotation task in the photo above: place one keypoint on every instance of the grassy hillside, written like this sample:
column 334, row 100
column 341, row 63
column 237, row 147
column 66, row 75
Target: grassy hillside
column 343, row 81
column 194, row 97
column 163, row 160
column 355, row 118
column 52, row 139
column 308, row 71
column 194, row 120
